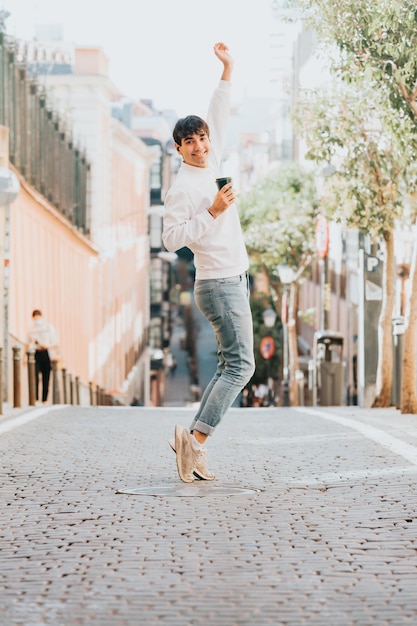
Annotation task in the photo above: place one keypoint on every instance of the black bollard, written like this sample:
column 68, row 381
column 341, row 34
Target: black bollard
column 71, row 387
column 31, row 377
column 55, row 383
column 64, row 385
column 285, row 393
column 17, row 378
column 77, row 390
column 90, row 386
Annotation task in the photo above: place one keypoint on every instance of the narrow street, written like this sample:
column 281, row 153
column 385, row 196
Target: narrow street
column 311, row 519
column 178, row 384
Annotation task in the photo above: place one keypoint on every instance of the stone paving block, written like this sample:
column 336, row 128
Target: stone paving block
column 325, row 541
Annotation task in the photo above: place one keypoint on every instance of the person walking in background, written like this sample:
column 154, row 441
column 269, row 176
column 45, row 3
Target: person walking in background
column 206, row 220
column 43, row 339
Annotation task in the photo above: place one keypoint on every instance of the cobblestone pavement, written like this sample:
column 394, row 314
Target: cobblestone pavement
column 327, row 535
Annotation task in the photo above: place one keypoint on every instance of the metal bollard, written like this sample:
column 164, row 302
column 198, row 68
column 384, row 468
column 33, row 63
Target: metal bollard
column 312, row 382
column 90, row 386
column 77, row 390
column 1, row 381
column 31, row 377
column 299, row 377
column 64, row 385
column 17, row 378
column 71, row 387
column 285, row 385
column 55, row 383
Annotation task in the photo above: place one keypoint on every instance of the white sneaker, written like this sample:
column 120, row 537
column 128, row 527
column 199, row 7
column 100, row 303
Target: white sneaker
column 187, row 456
column 200, row 471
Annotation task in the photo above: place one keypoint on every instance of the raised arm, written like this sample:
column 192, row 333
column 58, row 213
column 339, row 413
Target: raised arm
column 222, row 53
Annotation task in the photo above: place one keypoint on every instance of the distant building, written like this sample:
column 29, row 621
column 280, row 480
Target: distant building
column 154, row 128
column 118, row 206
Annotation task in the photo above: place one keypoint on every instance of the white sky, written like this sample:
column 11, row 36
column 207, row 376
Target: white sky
column 161, row 49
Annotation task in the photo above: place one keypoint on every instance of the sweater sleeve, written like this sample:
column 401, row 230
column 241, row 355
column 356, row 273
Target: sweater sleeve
column 181, row 227
column 53, row 337
column 218, row 117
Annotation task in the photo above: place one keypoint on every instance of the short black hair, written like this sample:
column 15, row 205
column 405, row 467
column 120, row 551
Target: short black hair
column 189, row 126
column 36, row 313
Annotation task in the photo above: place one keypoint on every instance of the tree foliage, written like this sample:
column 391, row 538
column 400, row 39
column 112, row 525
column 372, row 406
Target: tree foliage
column 278, row 218
column 361, row 140
column 345, row 129
column 371, row 45
column 258, row 305
column 377, row 40
column 375, row 43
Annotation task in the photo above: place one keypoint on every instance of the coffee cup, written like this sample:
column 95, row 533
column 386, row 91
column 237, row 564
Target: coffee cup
column 221, row 182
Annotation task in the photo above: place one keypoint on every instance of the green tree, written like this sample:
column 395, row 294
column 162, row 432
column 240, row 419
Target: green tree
column 355, row 133
column 278, row 218
column 375, row 42
column 260, row 302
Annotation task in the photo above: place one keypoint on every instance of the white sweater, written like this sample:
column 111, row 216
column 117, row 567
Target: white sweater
column 43, row 335
column 217, row 244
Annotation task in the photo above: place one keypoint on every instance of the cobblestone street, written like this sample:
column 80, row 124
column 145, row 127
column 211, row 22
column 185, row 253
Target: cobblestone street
column 323, row 531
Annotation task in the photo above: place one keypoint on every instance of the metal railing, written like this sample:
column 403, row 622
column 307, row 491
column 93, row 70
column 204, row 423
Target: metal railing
column 41, row 144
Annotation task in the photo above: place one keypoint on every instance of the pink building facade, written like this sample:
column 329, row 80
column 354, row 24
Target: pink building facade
column 93, row 287
column 53, row 268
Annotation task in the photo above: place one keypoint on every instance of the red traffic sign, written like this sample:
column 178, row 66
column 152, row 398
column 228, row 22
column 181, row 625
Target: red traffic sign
column 322, row 237
column 267, row 347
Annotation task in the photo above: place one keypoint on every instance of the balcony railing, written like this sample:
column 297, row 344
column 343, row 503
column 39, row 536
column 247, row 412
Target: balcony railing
column 41, row 144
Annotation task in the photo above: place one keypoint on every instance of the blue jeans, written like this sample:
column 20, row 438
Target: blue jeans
column 225, row 303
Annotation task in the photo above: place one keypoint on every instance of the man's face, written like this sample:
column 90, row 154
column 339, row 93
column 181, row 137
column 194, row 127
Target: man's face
column 195, row 149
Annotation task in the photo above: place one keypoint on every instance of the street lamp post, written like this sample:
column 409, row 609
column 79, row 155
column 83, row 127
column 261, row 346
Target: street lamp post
column 322, row 243
column 285, row 369
column 286, row 276
column 267, row 349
